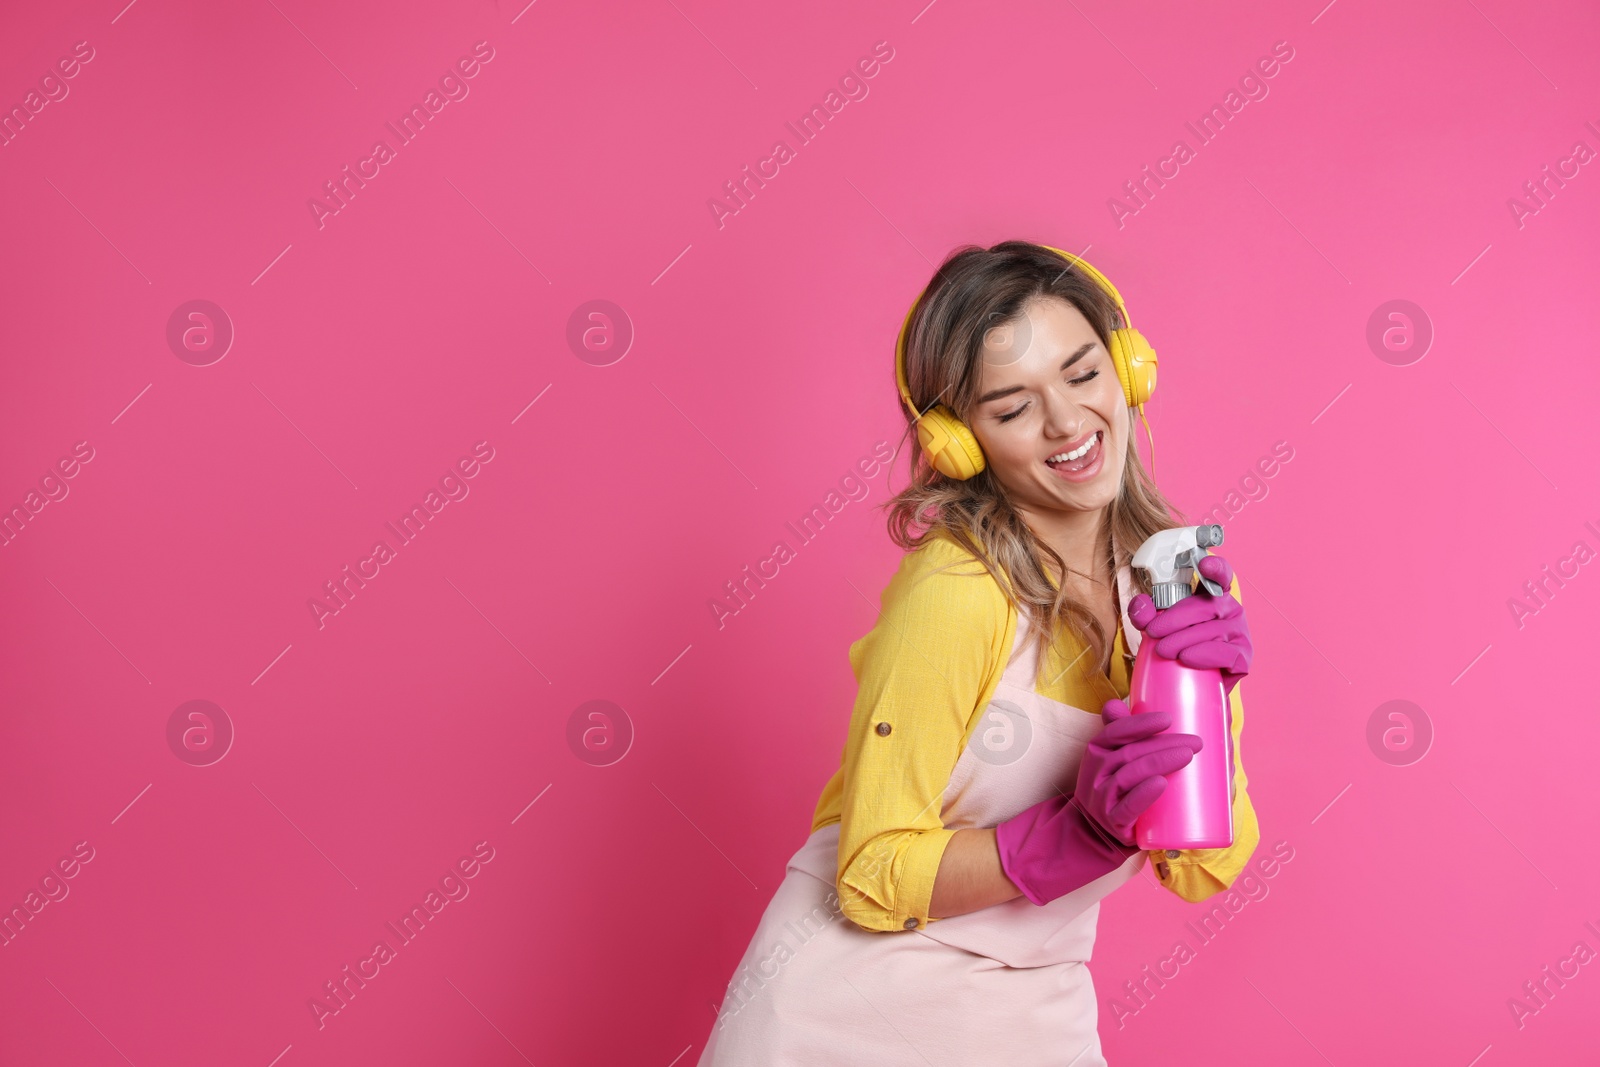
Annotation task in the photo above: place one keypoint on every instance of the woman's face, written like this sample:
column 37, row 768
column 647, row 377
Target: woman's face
column 1047, row 391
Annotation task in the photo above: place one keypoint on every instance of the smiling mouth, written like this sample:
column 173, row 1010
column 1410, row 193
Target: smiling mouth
column 1079, row 458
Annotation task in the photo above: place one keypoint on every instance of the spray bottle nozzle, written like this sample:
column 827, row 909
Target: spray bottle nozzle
column 1170, row 559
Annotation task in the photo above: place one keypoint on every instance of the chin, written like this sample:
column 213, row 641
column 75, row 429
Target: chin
column 1098, row 495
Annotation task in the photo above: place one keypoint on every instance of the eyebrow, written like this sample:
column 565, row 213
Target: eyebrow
column 1069, row 361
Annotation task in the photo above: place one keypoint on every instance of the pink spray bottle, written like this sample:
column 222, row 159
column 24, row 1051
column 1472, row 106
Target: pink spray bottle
column 1196, row 810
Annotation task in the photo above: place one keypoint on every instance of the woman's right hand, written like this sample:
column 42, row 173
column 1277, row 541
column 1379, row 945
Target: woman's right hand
column 1124, row 768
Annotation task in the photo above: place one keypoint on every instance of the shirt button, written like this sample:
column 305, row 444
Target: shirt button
column 1172, row 853
column 911, row 924
column 883, row 729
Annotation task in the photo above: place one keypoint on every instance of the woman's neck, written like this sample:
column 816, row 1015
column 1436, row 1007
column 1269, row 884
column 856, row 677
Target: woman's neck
column 1081, row 538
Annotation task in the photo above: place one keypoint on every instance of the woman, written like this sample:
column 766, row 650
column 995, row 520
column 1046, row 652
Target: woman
column 943, row 909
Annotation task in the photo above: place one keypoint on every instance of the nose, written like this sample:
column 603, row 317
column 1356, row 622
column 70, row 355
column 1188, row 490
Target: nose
column 1063, row 416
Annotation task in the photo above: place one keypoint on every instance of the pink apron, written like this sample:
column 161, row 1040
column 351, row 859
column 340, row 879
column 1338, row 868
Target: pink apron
column 1006, row 985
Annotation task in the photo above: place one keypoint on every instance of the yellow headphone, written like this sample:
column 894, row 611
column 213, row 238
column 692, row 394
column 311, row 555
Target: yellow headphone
column 949, row 443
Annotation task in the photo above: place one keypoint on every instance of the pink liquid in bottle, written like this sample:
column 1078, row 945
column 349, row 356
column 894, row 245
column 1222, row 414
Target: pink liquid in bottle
column 1196, row 810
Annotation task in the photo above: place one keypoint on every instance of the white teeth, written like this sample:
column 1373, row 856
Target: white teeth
column 1077, row 453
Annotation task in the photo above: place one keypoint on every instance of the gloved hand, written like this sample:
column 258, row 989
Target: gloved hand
column 1200, row 630
column 1063, row 842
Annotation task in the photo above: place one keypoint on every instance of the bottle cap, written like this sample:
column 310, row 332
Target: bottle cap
column 1166, row 594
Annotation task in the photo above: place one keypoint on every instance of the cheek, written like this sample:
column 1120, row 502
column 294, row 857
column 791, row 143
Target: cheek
column 1110, row 404
column 1113, row 408
column 1005, row 447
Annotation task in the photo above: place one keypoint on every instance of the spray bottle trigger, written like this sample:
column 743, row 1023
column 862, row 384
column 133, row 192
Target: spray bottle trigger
column 1195, row 556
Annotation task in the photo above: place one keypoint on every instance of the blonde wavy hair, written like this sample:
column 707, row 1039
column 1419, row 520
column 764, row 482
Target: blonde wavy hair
column 973, row 290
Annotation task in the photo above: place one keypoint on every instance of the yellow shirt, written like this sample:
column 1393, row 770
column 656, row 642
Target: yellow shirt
column 929, row 666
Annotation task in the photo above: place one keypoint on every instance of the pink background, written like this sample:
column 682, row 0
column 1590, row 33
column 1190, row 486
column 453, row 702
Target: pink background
column 372, row 353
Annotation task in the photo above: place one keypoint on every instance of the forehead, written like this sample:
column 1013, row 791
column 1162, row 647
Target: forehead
column 1044, row 332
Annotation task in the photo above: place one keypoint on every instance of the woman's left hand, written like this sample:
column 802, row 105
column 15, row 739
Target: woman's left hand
column 1200, row 630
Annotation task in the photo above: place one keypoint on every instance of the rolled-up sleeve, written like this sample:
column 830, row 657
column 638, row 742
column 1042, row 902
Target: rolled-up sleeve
column 923, row 672
column 1198, row 873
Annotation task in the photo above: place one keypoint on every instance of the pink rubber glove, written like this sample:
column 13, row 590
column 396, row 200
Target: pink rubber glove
column 1200, row 630
column 1063, row 842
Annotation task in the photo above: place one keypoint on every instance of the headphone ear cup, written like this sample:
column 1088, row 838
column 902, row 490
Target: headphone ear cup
column 950, row 446
column 1135, row 361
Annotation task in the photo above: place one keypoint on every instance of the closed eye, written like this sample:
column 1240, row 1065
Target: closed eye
column 1091, row 376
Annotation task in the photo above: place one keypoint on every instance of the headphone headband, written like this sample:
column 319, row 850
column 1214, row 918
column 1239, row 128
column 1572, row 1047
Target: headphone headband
column 1105, row 283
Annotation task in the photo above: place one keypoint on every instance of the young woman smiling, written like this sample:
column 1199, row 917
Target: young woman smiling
column 944, row 907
